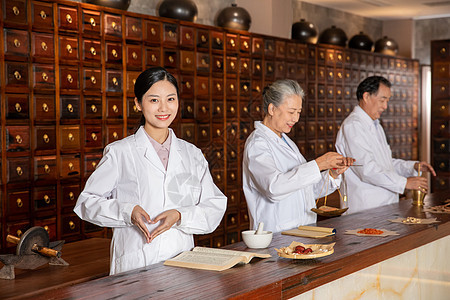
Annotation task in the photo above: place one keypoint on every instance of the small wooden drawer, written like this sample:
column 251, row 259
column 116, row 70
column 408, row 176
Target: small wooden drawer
column 245, row 130
column 45, row 168
column 92, row 79
column 90, row 163
column 44, row 197
column 18, row 169
column 113, row 53
column 291, row 51
column 232, row 110
column 70, row 107
column 16, row 42
column 68, row 18
column 92, row 51
column 134, row 56
column 187, row 62
column 17, row 106
column 245, row 108
column 256, row 89
column 232, row 43
column 91, row 22
column 203, row 135
column 232, row 65
column 131, row 81
column 69, row 78
column 114, row 133
column 15, row 11
column 18, row 202
column 217, row 88
column 70, row 166
column 269, row 48
column 17, row 138
column 217, row 40
column 45, row 138
column 42, row 45
column 44, row 108
column 203, row 111
column 245, row 90
column 203, row 62
column 70, row 137
column 70, row 194
column 170, row 59
column 218, row 177
column 202, row 40
column 291, row 71
column 218, row 131
column 49, row 225
column 187, row 109
column 187, row 86
column 442, row 163
column 153, row 56
column 217, row 65
column 244, row 44
column 202, row 87
column 441, row 109
column 133, row 30
column 93, row 137
column 188, row 132
column 280, row 49
column 218, row 241
column 92, row 108
column 232, row 220
column 113, row 81
column 257, row 46
column 43, row 76
column 269, row 70
column 114, row 108
column 113, row 25
column 152, row 32
column 170, row 34
column 257, row 68
column 16, row 74
column 132, row 111
column 232, row 132
column 232, row 88
column 187, row 37
column 441, row 145
column 70, row 224
column 280, row 69
column 68, row 48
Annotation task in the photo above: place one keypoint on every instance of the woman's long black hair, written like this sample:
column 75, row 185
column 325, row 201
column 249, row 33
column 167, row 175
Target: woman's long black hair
column 146, row 80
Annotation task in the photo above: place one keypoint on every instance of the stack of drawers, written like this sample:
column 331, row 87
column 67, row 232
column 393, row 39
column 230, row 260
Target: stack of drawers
column 68, row 91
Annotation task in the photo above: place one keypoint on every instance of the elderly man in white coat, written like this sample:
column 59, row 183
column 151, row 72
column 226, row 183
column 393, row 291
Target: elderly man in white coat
column 280, row 186
column 380, row 178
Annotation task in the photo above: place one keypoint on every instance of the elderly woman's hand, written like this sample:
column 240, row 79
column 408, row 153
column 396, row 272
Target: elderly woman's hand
column 333, row 160
column 347, row 162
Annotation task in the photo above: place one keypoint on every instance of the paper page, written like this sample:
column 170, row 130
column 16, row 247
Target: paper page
column 206, row 261
column 248, row 255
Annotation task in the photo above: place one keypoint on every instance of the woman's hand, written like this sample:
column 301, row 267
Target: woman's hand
column 417, row 183
column 138, row 218
column 424, row 167
column 346, row 163
column 332, row 160
column 168, row 218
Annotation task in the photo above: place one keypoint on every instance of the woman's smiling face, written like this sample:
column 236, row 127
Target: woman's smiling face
column 286, row 115
column 159, row 105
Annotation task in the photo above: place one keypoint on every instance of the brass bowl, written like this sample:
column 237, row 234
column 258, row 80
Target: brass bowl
column 333, row 213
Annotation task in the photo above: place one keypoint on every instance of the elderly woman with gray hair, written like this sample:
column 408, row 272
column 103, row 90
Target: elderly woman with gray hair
column 280, row 186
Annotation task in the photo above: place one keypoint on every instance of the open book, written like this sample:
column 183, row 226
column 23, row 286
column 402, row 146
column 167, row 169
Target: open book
column 212, row 258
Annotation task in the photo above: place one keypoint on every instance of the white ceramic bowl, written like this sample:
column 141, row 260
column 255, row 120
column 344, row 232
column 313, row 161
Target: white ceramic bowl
column 257, row 241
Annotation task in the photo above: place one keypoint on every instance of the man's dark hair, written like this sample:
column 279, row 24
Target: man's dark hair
column 371, row 85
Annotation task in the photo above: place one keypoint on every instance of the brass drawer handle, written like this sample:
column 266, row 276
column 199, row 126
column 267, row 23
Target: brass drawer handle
column 114, row 53
column 218, row 87
column 71, row 225
column 71, row 196
column 70, row 137
column 46, row 200
column 204, row 109
column 44, row 46
column 245, row 87
column 442, row 182
column 219, row 133
column 218, row 109
column 70, row 108
column 17, row 75
column 218, row 64
column 442, row 147
column 93, row 108
column 232, row 65
column 232, row 110
column 218, row 177
column 218, row 41
column 203, row 86
column 233, row 220
column 232, row 176
column 93, row 51
column 171, row 34
column 114, row 25
column 18, row 107
column 204, row 133
column 94, row 136
column 153, row 31
column 188, row 84
column 219, row 155
column 93, row 80
column 135, row 109
column 233, row 155
column 69, row 19
column 70, row 165
column 16, row 10
column 245, row 109
column 45, row 107
column 189, row 109
column 258, row 45
column 188, row 133
column 69, row 78
column 232, row 43
column 19, row 139
column 115, row 108
column 442, row 165
column 19, row 171
column 134, row 55
column 47, row 169
column 280, row 67
column 245, row 65
column 93, row 164
column 245, row 44
column 92, row 22
column 233, row 132
column 171, row 60
column 44, row 76
column 19, row 233
column 270, row 47
column 443, row 50
column 258, row 89
column 203, row 38
column 134, row 28
column 245, row 130
column 43, row 15
column 232, row 87
column 153, row 58
column 46, row 138
column 269, row 68
column 115, row 135
column 188, row 60
column 19, row 202
column 69, row 48
column 47, row 229
column 115, row 81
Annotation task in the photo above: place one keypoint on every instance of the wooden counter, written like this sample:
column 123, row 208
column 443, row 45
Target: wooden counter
column 276, row 277
column 88, row 260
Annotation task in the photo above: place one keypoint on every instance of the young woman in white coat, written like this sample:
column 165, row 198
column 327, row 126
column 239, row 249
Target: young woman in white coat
column 280, row 186
column 153, row 189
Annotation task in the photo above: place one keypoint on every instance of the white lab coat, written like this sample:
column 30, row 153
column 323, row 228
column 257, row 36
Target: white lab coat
column 131, row 173
column 280, row 187
column 381, row 178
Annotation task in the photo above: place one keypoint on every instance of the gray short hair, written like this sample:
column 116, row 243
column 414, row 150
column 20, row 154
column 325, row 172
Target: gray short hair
column 276, row 92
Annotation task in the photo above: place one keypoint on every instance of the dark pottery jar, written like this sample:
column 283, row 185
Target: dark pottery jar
column 234, row 17
column 119, row 4
column 185, row 10
column 305, row 32
column 333, row 36
column 387, row 46
column 361, row 41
